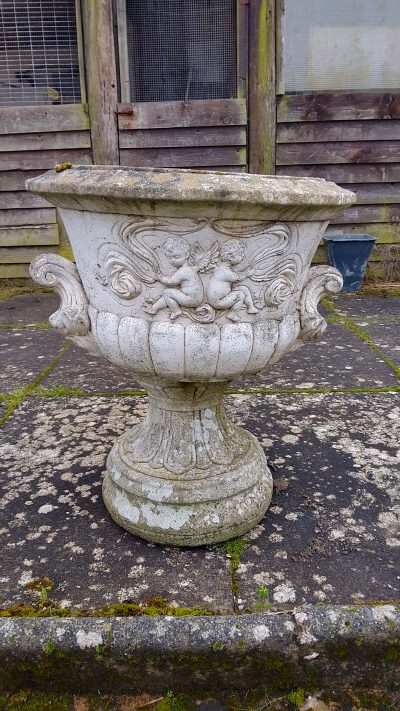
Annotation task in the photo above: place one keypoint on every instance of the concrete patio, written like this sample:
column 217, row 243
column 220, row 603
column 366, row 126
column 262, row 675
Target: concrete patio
column 328, row 417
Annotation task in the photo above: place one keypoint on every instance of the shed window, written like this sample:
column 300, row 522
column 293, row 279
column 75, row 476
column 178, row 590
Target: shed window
column 341, row 45
column 38, row 53
column 179, row 50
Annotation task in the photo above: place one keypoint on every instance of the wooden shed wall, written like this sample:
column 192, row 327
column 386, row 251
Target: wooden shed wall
column 354, row 140
column 32, row 140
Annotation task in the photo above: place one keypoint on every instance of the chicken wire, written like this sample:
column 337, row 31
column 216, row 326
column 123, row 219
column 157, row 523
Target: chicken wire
column 181, row 49
column 38, row 53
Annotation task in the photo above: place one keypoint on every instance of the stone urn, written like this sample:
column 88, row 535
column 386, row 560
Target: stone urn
column 189, row 279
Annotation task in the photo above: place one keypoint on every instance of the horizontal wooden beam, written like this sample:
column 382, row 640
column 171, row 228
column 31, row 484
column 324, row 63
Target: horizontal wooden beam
column 183, row 157
column 39, row 119
column 346, row 173
column 43, row 160
column 344, row 152
column 14, row 271
column 16, row 199
column 21, row 255
column 29, row 236
column 39, row 216
column 15, row 179
column 374, row 193
column 337, row 107
column 369, row 213
column 44, row 141
column 183, row 137
column 319, row 131
column 177, row 114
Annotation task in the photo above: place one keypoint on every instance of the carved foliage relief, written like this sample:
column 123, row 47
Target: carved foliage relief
column 199, row 269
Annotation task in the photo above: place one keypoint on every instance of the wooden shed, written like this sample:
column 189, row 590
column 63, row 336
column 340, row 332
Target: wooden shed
column 293, row 87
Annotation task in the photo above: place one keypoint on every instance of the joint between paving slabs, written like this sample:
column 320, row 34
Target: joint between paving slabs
column 348, row 322
column 14, row 399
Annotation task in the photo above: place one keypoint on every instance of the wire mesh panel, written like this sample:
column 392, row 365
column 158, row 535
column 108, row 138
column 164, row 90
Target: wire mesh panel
column 38, row 53
column 341, row 45
column 181, row 49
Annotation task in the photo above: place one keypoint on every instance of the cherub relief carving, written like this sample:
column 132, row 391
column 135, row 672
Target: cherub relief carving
column 188, row 263
column 203, row 283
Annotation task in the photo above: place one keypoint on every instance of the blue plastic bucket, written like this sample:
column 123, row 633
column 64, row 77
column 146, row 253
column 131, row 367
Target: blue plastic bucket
column 349, row 254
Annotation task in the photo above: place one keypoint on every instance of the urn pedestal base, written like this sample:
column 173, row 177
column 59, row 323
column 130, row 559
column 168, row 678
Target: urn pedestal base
column 187, row 476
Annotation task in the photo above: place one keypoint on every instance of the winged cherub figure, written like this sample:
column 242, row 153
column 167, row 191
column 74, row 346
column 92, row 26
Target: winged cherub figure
column 184, row 286
column 221, row 293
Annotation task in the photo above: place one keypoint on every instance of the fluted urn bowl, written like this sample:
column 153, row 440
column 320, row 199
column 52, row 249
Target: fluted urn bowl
column 189, row 279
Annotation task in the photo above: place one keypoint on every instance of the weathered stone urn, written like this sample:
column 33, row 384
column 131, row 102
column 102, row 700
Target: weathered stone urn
column 190, row 279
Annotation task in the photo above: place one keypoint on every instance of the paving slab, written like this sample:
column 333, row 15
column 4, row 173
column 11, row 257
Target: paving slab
column 339, row 359
column 387, row 337
column 78, row 369
column 28, row 309
column 54, row 523
column 368, row 306
column 25, row 354
column 332, row 534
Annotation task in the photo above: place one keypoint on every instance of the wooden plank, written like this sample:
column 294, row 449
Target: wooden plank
column 98, row 33
column 11, row 200
column 181, row 137
column 15, row 179
column 177, row 114
column 29, row 236
column 14, row 271
column 346, row 173
column 183, row 157
column 123, row 54
column 318, row 131
column 345, row 152
column 41, row 216
column 44, row 141
column 21, row 255
column 39, row 119
column 261, row 95
column 369, row 213
column 375, row 193
column 337, row 107
column 221, row 168
column 43, row 160
column 279, row 45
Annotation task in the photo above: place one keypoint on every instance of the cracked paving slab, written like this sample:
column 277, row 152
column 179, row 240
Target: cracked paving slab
column 332, row 533
column 386, row 336
column 25, row 354
column 54, row 524
column 28, row 309
column 339, row 359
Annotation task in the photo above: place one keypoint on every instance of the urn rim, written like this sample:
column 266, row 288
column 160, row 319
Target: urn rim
column 237, row 193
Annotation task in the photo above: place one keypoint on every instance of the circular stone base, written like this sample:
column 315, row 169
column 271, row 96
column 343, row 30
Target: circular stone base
column 208, row 510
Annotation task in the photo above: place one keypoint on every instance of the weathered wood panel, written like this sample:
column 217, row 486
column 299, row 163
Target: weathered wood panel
column 44, row 141
column 346, row 173
column 183, row 137
column 261, row 82
column 39, row 119
column 375, row 193
column 98, row 32
column 183, row 157
column 29, row 236
column 15, row 179
column 177, row 114
column 324, row 131
column 344, row 152
column 21, row 255
column 30, row 160
column 337, row 107
column 41, row 216
column 11, row 200
column 368, row 213
column 14, row 271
